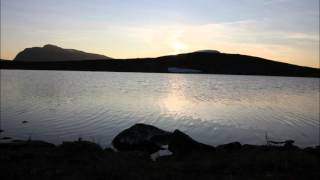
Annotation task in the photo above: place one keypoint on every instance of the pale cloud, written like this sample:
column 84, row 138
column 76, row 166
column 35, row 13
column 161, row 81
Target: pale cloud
column 302, row 36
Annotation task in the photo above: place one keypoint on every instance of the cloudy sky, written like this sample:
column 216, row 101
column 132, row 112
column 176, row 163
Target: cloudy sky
column 283, row 30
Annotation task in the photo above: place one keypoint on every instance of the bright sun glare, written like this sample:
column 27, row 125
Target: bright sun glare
column 178, row 47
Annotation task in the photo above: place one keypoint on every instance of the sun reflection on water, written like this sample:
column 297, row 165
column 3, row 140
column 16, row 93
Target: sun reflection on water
column 176, row 101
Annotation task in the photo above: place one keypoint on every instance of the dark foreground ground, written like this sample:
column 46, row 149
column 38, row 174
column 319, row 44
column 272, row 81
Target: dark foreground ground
column 86, row 160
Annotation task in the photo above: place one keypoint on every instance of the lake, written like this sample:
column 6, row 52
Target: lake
column 214, row 109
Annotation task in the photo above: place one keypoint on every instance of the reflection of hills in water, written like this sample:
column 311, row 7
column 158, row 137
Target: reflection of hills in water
column 206, row 61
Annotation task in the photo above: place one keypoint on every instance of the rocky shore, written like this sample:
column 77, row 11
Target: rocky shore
column 133, row 157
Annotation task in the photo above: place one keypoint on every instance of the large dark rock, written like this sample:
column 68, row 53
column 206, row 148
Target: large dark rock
column 55, row 53
column 181, row 143
column 141, row 137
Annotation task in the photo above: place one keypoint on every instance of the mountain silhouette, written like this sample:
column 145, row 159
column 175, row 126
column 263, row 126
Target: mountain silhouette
column 204, row 61
column 54, row 53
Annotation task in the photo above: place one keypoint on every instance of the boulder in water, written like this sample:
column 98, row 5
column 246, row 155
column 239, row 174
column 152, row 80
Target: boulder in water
column 141, row 137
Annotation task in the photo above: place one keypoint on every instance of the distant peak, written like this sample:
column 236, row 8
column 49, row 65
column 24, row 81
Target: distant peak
column 50, row 46
column 51, row 52
column 207, row 51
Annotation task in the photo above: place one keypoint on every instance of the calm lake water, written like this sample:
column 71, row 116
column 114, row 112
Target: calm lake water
column 213, row 109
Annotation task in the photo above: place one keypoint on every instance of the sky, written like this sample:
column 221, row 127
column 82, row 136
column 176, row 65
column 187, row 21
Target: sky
column 282, row 30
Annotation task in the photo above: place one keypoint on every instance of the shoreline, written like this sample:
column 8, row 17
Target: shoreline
column 163, row 65
column 145, row 152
